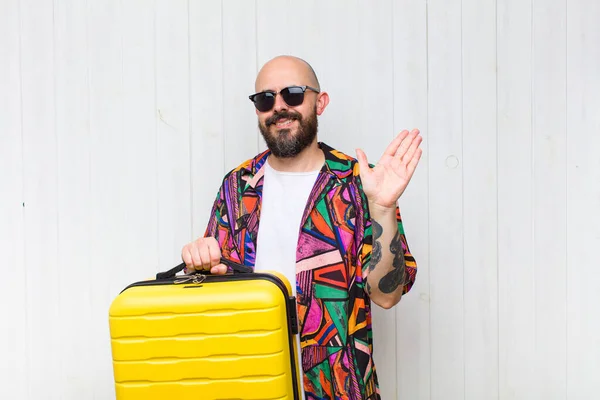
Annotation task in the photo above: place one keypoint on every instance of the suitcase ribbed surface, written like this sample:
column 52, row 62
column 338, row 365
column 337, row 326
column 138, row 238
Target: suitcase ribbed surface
column 215, row 340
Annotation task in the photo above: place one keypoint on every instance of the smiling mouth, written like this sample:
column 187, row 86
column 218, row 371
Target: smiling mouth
column 282, row 119
column 284, row 123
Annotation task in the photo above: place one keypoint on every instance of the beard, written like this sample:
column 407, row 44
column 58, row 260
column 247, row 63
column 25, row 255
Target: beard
column 284, row 144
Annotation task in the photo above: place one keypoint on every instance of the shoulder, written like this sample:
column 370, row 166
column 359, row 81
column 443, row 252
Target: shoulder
column 248, row 168
column 340, row 164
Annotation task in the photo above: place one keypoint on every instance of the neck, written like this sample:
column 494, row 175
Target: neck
column 309, row 159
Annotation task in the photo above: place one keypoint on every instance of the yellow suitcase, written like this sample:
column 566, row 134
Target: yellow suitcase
column 205, row 337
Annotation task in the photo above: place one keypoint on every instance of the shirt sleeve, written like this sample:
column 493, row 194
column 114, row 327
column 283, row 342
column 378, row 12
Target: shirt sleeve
column 219, row 227
column 411, row 264
column 212, row 228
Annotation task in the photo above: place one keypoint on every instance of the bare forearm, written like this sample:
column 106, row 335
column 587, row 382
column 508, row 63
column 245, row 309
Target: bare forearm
column 387, row 268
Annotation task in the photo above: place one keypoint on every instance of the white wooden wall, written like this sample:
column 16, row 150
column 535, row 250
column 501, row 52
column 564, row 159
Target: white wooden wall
column 118, row 119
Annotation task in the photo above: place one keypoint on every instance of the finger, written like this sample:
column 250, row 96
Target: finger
column 186, row 257
column 412, row 165
column 408, row 139
column 393, row 147
column 219, row 269
column 412, row 149
column 205, row 256
column 362, row 161
column 214, row 252
column 196, row 259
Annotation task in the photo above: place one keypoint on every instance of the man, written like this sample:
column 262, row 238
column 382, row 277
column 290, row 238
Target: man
column 328, row 222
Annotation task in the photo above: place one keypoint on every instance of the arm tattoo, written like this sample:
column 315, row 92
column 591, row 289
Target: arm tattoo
column 376, row 253
column 377, row 230
column 390, row 282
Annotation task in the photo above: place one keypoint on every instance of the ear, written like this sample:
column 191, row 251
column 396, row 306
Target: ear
column 322, row 101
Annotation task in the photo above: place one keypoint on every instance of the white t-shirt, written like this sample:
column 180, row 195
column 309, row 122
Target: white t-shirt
column 284, row 199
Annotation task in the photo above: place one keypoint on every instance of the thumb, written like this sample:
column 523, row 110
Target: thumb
column 362, row 161
column 220, row 269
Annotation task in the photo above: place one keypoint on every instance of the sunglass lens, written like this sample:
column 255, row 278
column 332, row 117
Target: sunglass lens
column 264, row 101
column 293, row 96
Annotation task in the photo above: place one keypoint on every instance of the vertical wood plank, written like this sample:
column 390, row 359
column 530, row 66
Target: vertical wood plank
column 338, row 68
column 139, row 175
column 549, row 197
column 206, row 107
column 74, row 200
column 13, row 299
column 107, row 236
column 446, row 200
column 583, row 199
column 306, row 42
column 240, row 125
column 372, row 45
column 277, row 27
column 173, row 108
column 410, row 111
column 480, row 199
column 40, row 197
column 516, row 285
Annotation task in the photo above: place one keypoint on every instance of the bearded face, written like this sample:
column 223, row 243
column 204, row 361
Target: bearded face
column 287, row 132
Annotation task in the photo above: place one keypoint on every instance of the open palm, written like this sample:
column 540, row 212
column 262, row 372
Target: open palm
column 386, row 181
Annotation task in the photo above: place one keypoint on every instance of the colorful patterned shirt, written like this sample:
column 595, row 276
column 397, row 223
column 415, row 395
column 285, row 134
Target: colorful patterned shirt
column 333, row 253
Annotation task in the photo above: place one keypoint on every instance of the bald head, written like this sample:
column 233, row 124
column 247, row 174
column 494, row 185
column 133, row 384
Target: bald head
column 285, row 70
column 288, row 120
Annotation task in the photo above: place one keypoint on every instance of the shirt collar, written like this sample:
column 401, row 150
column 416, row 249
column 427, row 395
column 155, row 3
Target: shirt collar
column 337, row 164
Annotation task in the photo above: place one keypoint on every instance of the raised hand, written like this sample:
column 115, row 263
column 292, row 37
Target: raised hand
column 385, row 183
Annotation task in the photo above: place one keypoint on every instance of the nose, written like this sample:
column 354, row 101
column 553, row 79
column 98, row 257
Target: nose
column 280, row 105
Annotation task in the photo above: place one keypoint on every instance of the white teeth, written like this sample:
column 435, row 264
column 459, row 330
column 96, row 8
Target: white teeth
column 284, row 122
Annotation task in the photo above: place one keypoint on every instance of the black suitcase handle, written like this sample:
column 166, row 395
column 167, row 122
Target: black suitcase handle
column 239, row 268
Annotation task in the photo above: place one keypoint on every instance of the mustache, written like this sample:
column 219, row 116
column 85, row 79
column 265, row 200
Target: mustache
column 282, row 115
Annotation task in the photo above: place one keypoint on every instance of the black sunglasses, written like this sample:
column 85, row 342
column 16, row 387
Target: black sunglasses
column 292, row 95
